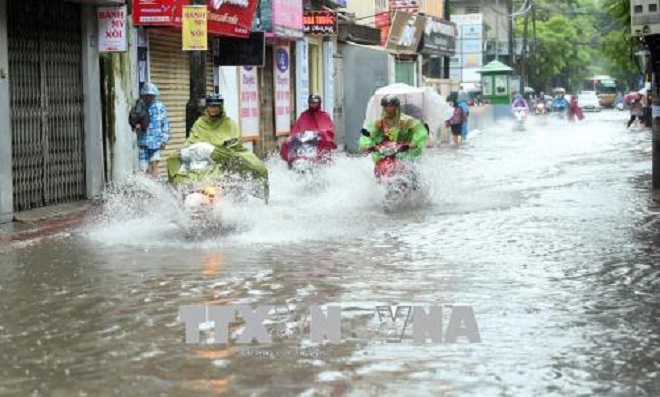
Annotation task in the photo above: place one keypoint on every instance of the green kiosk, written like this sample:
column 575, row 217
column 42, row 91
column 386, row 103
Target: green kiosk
column 496, row 87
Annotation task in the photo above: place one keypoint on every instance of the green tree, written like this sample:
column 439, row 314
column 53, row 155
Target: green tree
column 579, row 38
column 618, row 46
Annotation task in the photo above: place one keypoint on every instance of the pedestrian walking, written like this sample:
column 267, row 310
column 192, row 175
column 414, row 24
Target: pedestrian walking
column 153, row 129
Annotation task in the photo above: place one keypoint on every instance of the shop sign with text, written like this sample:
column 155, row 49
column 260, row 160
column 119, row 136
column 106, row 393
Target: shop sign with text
column 231, row 17
column 249, row 101
column 320, row 22
column 411, row 6
column 288, row 18
column 154, row 12
column 406, row 32
column 282, row 74
column 439, row 37
column 194, row 28
column 112, row 29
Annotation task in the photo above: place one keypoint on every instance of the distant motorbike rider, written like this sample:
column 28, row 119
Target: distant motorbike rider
column 574, row 111
column 218, row 129
column 520, row 103
column 395, row 126
column 560, row 104
column 313, row 119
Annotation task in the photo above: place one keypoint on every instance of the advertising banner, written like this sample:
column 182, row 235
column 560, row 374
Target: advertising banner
column 194, row 28
column 302, row 76
column 406, row 32
column 112, row 29
column 468, row 19
column 224, row 17
column 263, row 18
column 231, row 17
column 439, row 37
column 288, row 18
column 249, row 101
column 320, row 22
column 472, row 32
column 154, row 12
column 282, row 72
column 410, row 6
column 471, row 46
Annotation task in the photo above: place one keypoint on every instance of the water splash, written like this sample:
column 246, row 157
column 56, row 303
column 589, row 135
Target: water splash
column 340, row 198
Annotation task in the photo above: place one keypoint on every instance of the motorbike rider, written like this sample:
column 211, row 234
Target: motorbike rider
column 519, row 103
column 313, row 119
column 395, row 126
column 560, row 104
column 574, row 111
column 218, row 129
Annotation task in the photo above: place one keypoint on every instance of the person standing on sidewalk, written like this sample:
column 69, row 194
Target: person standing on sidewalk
column 153, row 137
column 463, row 104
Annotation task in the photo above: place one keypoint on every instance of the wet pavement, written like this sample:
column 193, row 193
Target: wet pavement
column 550, row 236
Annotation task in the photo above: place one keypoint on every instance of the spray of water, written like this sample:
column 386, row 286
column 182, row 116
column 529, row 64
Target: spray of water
column 336, row 200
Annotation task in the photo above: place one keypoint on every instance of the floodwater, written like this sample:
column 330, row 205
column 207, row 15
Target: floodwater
column 550, row 236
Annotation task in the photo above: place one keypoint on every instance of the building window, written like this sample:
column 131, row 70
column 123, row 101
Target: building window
column 472, row 9
column 653, row 7
column 639, row 9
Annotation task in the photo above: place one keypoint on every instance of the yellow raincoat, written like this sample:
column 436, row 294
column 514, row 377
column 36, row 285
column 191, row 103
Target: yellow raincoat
column 232, row 158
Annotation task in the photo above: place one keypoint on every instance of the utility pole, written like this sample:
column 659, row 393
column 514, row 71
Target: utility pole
column 509, row 12
column 654, row 46
column 197, row 83
column 523, row 54
column 497, row 30
column 446, row 60
column 534, row 46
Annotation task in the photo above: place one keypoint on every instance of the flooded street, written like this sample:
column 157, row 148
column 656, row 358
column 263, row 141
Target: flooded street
column 551, row 236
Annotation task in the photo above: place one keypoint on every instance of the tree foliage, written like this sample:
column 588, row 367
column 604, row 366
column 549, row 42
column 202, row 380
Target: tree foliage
column 618, row 45
column 576, row 39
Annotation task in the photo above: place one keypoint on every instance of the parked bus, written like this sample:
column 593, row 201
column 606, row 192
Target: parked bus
column 605, row 88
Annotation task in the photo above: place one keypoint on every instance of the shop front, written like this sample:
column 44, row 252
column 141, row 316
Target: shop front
column 281, row 77
column 50, row 140
column 169, row 67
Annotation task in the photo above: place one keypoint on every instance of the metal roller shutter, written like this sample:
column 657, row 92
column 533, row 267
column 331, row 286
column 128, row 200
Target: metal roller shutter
column 170, row 71
column 209, row 70
column 46, row 99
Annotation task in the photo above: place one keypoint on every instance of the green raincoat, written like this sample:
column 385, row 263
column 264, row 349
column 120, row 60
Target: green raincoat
column 234, row 158
column 405, row 129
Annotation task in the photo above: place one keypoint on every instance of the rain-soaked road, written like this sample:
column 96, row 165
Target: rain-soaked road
column 550, row 235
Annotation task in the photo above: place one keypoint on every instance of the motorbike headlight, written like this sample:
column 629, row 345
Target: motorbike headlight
column 388, row 151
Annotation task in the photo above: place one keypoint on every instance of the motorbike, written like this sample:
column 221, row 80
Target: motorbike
column 561, row 112
column 203, row 190
column 395, row 175
column 521, row 116
column 540, row 109
column 303, row 152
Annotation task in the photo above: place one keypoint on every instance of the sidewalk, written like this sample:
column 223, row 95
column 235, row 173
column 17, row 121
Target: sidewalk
column 44, row 222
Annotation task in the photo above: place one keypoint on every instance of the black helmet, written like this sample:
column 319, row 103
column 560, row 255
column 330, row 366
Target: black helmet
column 314, row 97
column 390, row 99
column 215, row 99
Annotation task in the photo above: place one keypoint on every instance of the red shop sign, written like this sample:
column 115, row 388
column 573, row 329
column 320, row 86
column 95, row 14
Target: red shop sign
column 231, row 17
column 225, row 17
column 154, row 12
